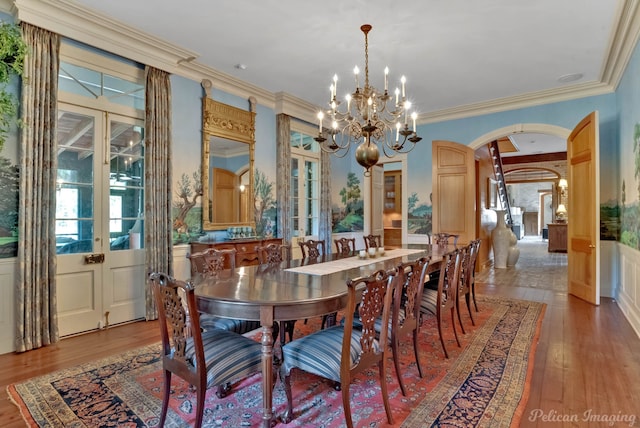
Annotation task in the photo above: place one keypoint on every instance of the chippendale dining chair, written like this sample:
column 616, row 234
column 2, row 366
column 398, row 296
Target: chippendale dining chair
column 312, row 248
column 372, row 241
column 210, row 263
column 467, row 280
column 345, row 246
column 202, row 358
column 272, row 255
column 438, row 302
column 340, row 352
column 405, row 315
column 444, row 239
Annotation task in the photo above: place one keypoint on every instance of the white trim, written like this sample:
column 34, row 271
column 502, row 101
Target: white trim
column 519, row 128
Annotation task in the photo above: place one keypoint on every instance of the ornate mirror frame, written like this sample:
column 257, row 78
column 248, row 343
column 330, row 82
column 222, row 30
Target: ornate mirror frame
column 225, row 121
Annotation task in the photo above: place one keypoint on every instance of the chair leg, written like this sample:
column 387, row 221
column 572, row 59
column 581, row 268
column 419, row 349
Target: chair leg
column 396, row 363
column 459, row 317
column 453, row 324
column 165, row 397
column 473, row 293
column 416, row 351
column 201, row 393
column 382, row 367
column 287, row 416
column 346, row 405
column 467, row 298
column 444, row 348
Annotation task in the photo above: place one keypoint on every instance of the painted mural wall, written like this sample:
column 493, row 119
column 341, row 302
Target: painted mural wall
column 9, row 179
column 627, row 206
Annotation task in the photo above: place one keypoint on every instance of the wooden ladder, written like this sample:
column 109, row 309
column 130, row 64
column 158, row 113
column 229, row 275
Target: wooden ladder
column 496, row 160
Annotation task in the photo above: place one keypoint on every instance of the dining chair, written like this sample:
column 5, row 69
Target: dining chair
column 405, row 314
column 312, row 248
column 472, row 275
column 345, row 246
column 203, row 358
column 372, row 241
column 272, row 255
column 438, row 302
column 340, row 352
column 210, row 263
column 444, row 239
column 467, row 280
column 462, row 286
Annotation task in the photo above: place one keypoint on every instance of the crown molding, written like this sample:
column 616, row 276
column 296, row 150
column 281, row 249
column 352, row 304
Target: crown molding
column 87, row 26
column 296, row 107
column 6, row 6
column 623, row 42
column 530, row 99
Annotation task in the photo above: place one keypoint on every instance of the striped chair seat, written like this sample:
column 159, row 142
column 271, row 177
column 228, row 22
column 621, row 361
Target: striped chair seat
column 319, row 353
column 229, row 356
column 210, row 322
column 429, row 301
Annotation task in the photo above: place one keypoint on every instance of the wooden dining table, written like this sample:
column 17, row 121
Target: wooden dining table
column 294, row 289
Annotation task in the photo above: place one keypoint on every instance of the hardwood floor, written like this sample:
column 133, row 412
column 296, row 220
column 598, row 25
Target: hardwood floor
column 587, row 364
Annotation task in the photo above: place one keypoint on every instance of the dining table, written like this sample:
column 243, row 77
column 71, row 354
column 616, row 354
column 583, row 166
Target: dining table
column 296, row 289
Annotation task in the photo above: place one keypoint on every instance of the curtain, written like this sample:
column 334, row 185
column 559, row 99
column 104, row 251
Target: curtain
column 36, row 310
column 325, row 226
column 158, row 236
column 283, row 180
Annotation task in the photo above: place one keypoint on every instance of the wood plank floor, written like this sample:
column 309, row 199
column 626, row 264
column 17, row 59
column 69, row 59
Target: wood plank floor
column 587, row 364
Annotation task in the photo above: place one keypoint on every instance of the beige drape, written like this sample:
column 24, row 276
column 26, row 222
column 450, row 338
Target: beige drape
column 36, row 311
column 283, row 178
column 158, row 240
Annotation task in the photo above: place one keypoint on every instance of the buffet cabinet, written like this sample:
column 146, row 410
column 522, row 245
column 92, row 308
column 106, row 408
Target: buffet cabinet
column 557, row 237
column 245, row 248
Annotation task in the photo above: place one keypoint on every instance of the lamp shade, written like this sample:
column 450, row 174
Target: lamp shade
column 562, row 183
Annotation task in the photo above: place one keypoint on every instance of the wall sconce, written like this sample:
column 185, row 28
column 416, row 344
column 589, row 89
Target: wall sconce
column 561, row 211
column 242, row 187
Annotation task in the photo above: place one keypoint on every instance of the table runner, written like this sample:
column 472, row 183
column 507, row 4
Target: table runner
column 350, row 262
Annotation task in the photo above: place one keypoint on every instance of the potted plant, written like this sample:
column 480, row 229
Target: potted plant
column 12, row 52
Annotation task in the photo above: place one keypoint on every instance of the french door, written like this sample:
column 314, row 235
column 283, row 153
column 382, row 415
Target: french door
column 305, row 200
column 99, row 219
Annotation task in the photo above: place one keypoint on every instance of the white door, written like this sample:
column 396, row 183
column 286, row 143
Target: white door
column 305, row 201
column 99, row 223
column 583, row 245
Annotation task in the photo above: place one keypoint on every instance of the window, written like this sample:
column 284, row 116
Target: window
column 305, row 183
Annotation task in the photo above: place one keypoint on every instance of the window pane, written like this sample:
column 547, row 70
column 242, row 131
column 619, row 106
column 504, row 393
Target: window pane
column 126, row 187
column 74, row 189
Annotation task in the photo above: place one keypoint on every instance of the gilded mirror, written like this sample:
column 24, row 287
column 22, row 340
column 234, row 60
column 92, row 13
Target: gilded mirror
column 228, row 138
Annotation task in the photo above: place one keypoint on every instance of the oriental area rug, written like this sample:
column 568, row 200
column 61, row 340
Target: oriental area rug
column 484, row 383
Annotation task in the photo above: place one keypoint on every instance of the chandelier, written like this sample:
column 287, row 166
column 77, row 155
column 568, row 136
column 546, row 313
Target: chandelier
column 371, row 118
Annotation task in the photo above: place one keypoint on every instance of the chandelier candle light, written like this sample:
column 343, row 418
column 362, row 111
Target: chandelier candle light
column 367, row 119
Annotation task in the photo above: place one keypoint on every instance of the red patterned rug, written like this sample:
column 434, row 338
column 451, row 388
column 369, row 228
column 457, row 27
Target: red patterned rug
column 484, row 383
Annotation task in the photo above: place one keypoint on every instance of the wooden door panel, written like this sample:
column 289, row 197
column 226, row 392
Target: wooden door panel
column 454, row 190
column 584, row 211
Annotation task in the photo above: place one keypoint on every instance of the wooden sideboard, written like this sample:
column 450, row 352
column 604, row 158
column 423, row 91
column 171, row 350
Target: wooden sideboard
column 245, row 248
column 557, row 237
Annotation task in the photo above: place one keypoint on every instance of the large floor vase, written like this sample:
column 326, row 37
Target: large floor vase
column 501, row 237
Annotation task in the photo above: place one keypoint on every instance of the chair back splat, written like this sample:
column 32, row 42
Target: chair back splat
column 372, row 241
column 203, row 359
column 345, row 246
column 312, row 248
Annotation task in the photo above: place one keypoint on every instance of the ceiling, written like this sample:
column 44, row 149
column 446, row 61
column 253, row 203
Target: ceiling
column 455, row 54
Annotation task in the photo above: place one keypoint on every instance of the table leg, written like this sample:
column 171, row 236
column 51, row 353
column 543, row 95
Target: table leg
column 266, row 319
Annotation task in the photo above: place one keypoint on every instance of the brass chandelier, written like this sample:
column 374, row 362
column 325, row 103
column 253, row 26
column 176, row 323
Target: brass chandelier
column 369, row 119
